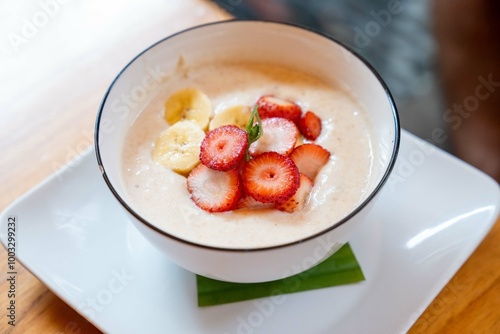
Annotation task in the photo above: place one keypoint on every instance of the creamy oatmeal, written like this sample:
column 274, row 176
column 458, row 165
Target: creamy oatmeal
column 161, row 197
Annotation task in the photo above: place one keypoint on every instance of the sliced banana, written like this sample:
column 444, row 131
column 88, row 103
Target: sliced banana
column 178, row 147
column 237, row 115
column 300, row 140
column 189, row 104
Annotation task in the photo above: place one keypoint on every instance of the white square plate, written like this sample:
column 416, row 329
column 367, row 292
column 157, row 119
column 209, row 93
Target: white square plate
column 432, row 214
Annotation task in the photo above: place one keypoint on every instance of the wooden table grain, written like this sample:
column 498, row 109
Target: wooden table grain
column 57, row 59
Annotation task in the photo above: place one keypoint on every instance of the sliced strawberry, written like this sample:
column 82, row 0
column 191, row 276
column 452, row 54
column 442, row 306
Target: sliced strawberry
column 213, row 190
column 310, row 158
column 249, row 203
column 270, row 177
column 280, row 136
column 270, row 106
column 310, row 125
column 298, row 200
column 223, row 148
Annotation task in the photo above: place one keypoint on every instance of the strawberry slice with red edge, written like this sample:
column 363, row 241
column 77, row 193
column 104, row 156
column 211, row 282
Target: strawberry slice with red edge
column 213, row 190
column 249, row 203
column 310, row 125
column 310, row 158
column 223, row 148
column 270, row 177
column 270, row 106
column 298, row 200
column 279, row 135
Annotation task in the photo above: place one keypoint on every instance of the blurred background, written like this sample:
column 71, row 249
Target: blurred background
column 397, row 42
column 439, row 59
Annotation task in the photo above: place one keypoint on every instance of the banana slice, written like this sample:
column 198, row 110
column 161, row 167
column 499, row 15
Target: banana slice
column 237, row 115
column 300, row 140
column 178, row 147
column 190, row 104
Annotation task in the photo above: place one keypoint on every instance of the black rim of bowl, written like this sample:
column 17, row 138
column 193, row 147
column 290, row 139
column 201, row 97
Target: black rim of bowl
column 324, row 231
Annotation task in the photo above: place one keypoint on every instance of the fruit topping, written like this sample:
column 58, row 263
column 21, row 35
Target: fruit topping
column 249, row 159
column 249, row 203
column 178, row 147
column 224, row 148
column 270, row 177
column 298, row 200
column 310, row 125
column 189, row 104
column 280, row 136
column 270, row 106
column 236, row 115
column 310, row 158
column 213, row 190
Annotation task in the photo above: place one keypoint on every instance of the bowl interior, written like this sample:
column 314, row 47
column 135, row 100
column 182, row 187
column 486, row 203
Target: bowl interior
column 254, row 41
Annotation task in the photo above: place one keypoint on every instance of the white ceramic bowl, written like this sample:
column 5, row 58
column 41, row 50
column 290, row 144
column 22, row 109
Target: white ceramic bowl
column 270, row 42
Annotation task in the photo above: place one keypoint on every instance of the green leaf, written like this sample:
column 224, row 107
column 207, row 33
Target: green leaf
column 254, row 131
column 340, row 268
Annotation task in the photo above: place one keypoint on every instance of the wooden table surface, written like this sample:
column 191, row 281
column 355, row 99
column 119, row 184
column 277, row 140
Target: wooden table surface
column 57, row 60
